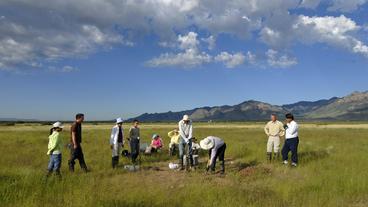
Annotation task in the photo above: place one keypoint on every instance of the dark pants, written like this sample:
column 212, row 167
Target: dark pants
column 220, row 153
column 77, row 154
column 290, row 145
column 134, row 148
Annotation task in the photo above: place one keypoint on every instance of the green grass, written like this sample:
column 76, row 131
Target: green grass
column 332, row 172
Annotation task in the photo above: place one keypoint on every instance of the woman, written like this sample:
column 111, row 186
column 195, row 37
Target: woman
column 156, row 143
column 216, row 147
column 54, row 149
column 291, row 141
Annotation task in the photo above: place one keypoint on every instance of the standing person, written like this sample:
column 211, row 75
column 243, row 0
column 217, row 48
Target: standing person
column 134, row 136
column 54, row 149
column 291, row 141
column 186, row 134
column 76, row 152
column 117, row 141
column 216, row 147
column 274, row 129
column 174, row 141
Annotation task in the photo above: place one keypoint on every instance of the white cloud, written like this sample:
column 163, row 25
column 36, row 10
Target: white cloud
column 311, row 4
column 211, row 41
column 230, row 60
column 62, row 29
column 334, row 31
column 274, row 59
column 346, row 5
column 64, row 69
column 189, row 57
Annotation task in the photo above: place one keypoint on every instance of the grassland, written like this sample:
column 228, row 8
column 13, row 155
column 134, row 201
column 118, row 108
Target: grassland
column 332, row 172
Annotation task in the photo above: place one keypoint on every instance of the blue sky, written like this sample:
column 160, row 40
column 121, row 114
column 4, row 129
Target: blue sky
column 60, row 58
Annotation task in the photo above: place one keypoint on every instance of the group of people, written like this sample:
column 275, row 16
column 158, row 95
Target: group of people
column 181, row 139
column 275, row 129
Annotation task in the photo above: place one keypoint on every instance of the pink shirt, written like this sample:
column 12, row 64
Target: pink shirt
column 157, row 142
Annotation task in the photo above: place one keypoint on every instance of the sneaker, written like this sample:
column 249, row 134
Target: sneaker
column 294, row 164
column 285, row 162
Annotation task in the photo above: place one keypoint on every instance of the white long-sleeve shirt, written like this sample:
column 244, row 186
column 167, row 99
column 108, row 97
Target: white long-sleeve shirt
column 292, row 130
column 217, row 143
column 185, row 130
column 114, row 135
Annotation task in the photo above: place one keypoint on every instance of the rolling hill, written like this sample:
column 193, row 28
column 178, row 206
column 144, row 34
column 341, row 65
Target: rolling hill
column 352, row 107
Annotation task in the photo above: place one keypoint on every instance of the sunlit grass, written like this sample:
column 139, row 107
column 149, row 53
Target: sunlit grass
column 332, row 172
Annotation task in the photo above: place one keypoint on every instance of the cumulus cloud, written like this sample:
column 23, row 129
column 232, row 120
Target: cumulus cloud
column 190, row 56
column 230, row 60
column 211, row 41
column 334, row 31
column 49, row 31
column 275, row 59
column 346, row 5
column 311, row 4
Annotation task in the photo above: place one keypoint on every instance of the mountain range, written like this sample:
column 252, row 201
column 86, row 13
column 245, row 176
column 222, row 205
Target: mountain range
column 353, row 107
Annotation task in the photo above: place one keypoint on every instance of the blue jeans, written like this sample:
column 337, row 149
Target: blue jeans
column 290, row 145
column 182, row 146
column 54, row 163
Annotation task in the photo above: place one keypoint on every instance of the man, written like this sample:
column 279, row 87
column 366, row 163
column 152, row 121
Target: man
column 117, row 141
column 274, row 129
column 75, row 144
column 134, row 136
column 186, row 134
column 291, row 141
column 216, row 147
column 174, row 141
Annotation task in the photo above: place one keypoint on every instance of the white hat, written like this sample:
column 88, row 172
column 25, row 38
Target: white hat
column 119, row 120
column 206, row 143
column 58, row 125
column 186, row 117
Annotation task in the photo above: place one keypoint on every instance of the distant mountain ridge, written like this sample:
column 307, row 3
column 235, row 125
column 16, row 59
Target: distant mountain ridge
column 353, row 107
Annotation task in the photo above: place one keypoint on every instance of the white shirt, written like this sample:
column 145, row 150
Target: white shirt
column 115, row 134
column 292, row 130
column 185, row 130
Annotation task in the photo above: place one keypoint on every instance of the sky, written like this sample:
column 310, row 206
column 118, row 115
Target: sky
column 122, row 58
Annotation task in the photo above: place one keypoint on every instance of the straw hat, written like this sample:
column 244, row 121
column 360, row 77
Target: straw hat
column 206, row 143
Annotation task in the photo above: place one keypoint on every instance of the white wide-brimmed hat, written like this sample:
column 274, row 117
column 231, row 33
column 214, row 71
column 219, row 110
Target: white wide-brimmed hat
column 58, row 125
column 206, row 143
column 186, row 117
column 119, row 120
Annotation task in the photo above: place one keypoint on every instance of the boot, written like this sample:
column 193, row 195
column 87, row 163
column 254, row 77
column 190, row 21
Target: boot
column 276, row 156
column 71, row 166
column 269, row 156
column 181, row 162
column 222, row 170
column 113, row 164
column 49, row 173
column 84, row 168
column 58, row 174
column 115, row 161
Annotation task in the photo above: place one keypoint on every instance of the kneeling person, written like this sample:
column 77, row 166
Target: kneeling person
column 216, row 147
